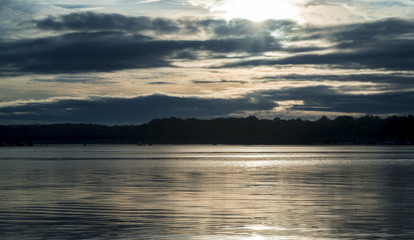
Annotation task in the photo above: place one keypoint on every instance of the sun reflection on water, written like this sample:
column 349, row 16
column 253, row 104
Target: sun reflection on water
column 207, row 193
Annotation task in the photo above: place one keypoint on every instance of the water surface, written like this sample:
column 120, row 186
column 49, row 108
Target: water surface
column 207, row 192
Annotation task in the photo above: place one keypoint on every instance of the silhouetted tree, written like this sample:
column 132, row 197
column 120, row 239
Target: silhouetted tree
column 251, row 130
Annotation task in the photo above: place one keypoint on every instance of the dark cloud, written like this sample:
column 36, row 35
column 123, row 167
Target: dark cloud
column 387, row 43
column 250, row 45
column 74, row 6
column 110, row 42
column 370, row 32
column 243, row 27
column 91, row 21
column 125, row 110
column 396, row 55
column 4, row 3
column 203, row 81
column 86, row 21
column 386, row 103
column 160, row 83
column 358, row 35
column 382, row 44
column 391, row 80
column 142, row 109
column 110, row 51
column 82, row 52
column 369, row 77
column 221, row 81
column 71, row 79
column 328, row 99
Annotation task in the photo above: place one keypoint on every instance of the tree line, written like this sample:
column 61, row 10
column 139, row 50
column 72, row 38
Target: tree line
column 368, row 129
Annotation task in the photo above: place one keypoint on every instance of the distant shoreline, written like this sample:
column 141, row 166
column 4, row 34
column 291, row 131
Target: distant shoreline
column 344, row 130
column 191, row 144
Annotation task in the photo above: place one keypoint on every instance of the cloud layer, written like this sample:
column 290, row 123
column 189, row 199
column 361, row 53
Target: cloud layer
column 128, row 110
column 93, row 42
column 364, row 67
column 142, row 109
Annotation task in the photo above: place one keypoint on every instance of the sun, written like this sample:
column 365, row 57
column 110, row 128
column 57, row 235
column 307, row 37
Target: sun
column 257, row 10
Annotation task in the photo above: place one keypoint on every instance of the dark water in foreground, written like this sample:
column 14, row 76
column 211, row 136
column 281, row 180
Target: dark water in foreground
column 206, row 192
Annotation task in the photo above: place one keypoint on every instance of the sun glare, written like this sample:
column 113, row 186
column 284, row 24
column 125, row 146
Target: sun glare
column 257, row 10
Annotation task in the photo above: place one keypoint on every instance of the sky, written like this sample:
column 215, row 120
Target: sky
column 129, row 61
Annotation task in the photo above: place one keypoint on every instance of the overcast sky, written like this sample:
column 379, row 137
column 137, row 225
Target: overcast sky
column 130, row 61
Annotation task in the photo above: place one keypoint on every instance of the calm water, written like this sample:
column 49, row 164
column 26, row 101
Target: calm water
column 207, row 192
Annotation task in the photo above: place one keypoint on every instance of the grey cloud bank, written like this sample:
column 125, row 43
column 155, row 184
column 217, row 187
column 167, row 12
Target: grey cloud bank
column 109, row 42
column 128, row 110
column 81, row 44
column 90, row 21
column 143, row 109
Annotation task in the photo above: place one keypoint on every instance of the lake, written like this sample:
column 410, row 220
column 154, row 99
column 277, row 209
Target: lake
column 206, row 192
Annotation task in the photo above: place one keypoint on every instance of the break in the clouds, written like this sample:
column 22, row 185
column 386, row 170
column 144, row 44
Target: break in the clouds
column 152, row 59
